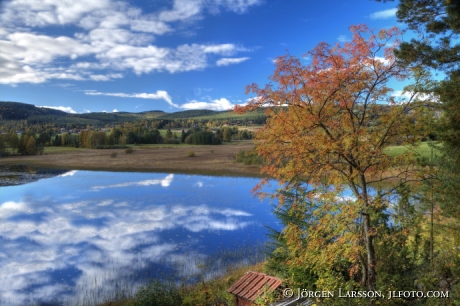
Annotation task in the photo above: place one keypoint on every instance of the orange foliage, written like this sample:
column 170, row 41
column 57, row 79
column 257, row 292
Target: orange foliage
column 330, row 121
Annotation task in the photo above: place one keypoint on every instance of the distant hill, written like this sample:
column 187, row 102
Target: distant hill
column 22, row 111
column 40, row 115
column 189, row 114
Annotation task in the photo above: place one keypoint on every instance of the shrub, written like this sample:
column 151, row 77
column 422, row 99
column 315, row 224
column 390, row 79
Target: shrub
column 129, row 150
column 190, row 154
column 113, row 154
column 249, row 158
column 157, row 293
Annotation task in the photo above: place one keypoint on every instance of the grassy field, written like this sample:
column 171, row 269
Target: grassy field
column 177, row 158
column 422, row 150
column 207, row 159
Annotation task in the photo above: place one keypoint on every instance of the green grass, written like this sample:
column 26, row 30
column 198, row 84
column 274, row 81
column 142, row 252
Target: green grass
column 55, row 150
column 158, row 145
column 422, row 150
column 173, row 130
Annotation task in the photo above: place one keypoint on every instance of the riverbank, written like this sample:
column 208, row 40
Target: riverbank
column 211, row 292
column 212, row 160
column 12, row 175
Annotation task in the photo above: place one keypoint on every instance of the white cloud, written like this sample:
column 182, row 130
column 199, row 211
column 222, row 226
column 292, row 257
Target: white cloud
column 231, row 61
column 220, row 49
column 343, row 38
column 402, row 96
column 66, row 109
column 382, row 60
column 237, row 6
column 38, row 13
column 65, row 85
column 115, row 110
column 221, row 104
column 160, row 94
column 111, row 36
column 384, row 14
column 38, row 49
column 182, row 10
column 102, row 77
column 217, row 105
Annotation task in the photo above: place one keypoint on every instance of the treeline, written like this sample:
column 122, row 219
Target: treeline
column 28, row 143
column 25, row 144
column 122, row 137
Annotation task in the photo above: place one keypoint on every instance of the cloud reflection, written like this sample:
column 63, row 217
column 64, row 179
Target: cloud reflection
column 164, row 183
column 48, row 246
column 70, row 173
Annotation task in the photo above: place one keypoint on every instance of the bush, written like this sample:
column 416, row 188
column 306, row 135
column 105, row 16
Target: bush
column 249, row 158
column 157, row 293
column 113, row 154
column 129, row 150
column 190, row 154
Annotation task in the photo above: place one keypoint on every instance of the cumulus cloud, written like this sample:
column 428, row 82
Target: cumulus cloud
column 384, row 14
column 221, row 104
column 51, row 12
column 231, row 61
column 111, row 36
column 66, row 109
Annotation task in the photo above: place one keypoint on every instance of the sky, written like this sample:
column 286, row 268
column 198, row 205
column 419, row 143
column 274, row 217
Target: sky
column 170, row 55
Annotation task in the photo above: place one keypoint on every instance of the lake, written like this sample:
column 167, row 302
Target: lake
column 83, row 235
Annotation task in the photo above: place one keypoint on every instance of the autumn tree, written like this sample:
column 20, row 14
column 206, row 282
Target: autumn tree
column 31, row 148
column 226, row 134
column 329, row 122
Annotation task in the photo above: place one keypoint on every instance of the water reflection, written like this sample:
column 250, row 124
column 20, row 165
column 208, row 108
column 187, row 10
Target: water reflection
column 60, row 234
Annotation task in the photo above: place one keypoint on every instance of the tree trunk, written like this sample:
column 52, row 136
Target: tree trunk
column 370, row 253
column 368, row 236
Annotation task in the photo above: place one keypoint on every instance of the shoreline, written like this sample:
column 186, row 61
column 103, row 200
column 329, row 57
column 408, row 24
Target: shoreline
column 208, row 160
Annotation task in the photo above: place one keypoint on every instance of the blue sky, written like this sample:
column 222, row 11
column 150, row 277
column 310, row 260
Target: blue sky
column 171, row 55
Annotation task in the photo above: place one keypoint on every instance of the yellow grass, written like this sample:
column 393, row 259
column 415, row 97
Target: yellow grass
column 146, row 158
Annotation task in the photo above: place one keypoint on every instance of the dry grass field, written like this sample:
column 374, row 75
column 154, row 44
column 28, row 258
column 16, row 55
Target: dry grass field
column 216, row 160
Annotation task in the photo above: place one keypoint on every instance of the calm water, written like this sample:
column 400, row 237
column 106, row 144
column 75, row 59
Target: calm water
column 62, row 238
